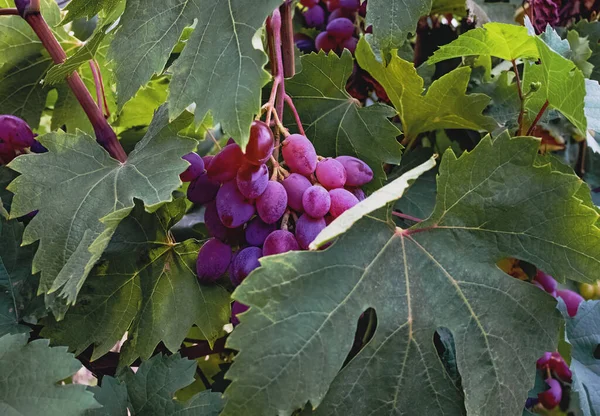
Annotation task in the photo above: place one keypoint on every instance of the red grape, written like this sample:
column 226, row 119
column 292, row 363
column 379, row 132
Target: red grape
column 571, row 299
column 202, row 189
column 337, row 13
column 307, row 229
column 358, row 172
column 299, row 154
column 543, row 361
column 280, row 241
column 331, row 173
column 309, row 3
column 261, row 143
column 314, row 17
column 195, row 169
column 316, row 201
column 341, row 28
column 252, row 180
column 341, row 200
column 245, row 261
column 213, row 260
column 560, row 367
column 551, row 397
column 326, row 42
column 236, row 309
column 234, row 210
column 15, row 132
column 226, row 163
column 295, row 185
column 257, row 231
column 272, row 203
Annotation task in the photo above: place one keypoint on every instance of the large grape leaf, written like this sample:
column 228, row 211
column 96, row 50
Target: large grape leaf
column 150, row 391
column 591, row 30
column 334, row 121
column 445, row 105
column 493, row 39
column 145, row 284
column 30, row 375
column 82, row 194
column 493, row 202
column 583, row 333
column 219, row 69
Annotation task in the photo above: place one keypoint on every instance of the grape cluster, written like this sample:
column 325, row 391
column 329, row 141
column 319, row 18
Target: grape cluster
column 15, row 137
column 251, row 212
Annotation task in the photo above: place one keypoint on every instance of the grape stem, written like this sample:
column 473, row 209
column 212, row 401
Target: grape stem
column 290, row 103
column 521, row 96
column 100, row 93
column 9, row 12
column 276, row 99
column 538, row 118
column 105, row 135
column 406, row 217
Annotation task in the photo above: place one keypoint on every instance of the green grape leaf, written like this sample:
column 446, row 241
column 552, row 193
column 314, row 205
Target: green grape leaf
column 486, row 11
column 137, row 112
column 89, row 8
column 445, row 105
column 501, row 40
column 219, row 59
column 580, row 52
column 583, row 333
column 505, row 104
column 457, row 7
column 145, row 284
column 592, row 104
column 82, row 194
column 335, row 122
column 31, row 376
column 591, row 31
column 492, row 203
column 112, row 396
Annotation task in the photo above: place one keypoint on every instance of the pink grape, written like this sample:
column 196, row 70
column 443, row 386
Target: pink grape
column 307, row 229
column 331, row 173
column 202, row 189
column 299, row 154
column 314, row 17
column 195, row 169
column 252, row 180
column 316, row 201
column 350, row 44
column 257, row 231
column 326, row 42
column 244, row 263
column 358, row 173
column 551, row 397
column 272, row 204
column 547, row 281
column 236, row 309
column 341, row 201
column 234, row 210
column 341, row 28
column 226, row 163
column 358, row 193
column 15, row 132
column 261, row 143
column 295, row 185
column 571, row 299
column 213, row 223
column 213, row 260
column 278, row 242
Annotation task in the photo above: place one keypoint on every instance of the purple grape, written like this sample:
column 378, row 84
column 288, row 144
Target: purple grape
column 548, row 283
column 358, row 172
column 314, row 17
column 252, row 180
column 307, row 229
column 15, row 132
column 213, row 222
column 202, row 189
column 271, row 205
column 37, row 147
column 543, row 361
column 341, row 28
column 316, row 201
column 245, row 261
column 571, row 299
column 299, row 154
column 236, row 309
column 226, row 163
column 309, row 3
column 295, row 185
column 341, row 201
column 261, row 143
column 337, row 13
column 551, row 397
column 304, row 43
column 213, row 260
column 280, row 241
column 234, row 210
column 350, row 44
column 331, row 173
column 257, row 231
column 326, row 42
column 195, row 169
column 358, row 193
column 352, row 5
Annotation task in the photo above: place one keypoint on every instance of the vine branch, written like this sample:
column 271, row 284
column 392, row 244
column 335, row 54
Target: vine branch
column 9, row 12
column 521, row 95
column 538, row 118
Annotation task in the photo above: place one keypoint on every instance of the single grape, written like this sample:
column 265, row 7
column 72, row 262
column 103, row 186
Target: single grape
column 37, row 147
column 213, row 260
column 272, row 203
column 341, row 201
column 245, row 261
column 560, row 367
column 295, row 185
column 304, row 43
column 341, row 28
column 358, row 193
column 202, row 189
column 332, row 5
column 234, row 210
column 331, row 173
column 207, row 159
column 358, row 172
column 587, row 291
column 551, row 397
column 597, row 289
column 252, row 180
column 307, row 229
column 261, row 143
column 16, row 132
column 547, row 282
column 350, row 44
column 278, row 242
column 337, row 13
column 571, row 299
column 543, row 361
column 326, row 42
column 237, row 308
column 195, row 169
column 299, row 154
column 314, row 17
column 309, row 3
column 226, row 163
column 352, row 5
column 316, row 201
column 213, row 223
column 257, row 231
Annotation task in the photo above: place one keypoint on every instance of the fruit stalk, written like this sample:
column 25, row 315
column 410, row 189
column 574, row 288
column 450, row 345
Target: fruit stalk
column 104, row 132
